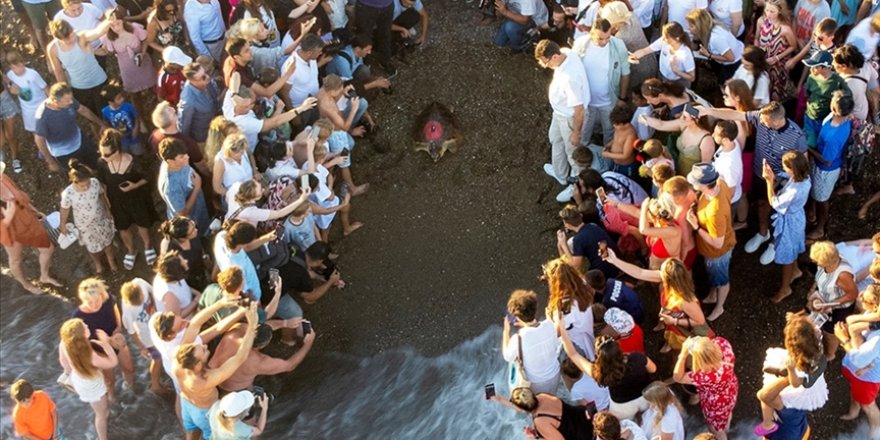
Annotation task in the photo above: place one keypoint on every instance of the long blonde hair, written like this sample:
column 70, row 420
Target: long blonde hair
column 218, row 130
column 703, row 23
column 661, row 397
column 677, row 280
column 706, row 354
column 78, row 347
column 782, row 6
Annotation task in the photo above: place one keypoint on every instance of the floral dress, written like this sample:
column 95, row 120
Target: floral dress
column 774, row 43
column 718, row 389
column 171, row 35
column 90, row 216
column 790, row 220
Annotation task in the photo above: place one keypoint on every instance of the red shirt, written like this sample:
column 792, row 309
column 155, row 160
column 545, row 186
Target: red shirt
column 36, row 420
column 634, row 342
column 245, row 72
column 169, row 86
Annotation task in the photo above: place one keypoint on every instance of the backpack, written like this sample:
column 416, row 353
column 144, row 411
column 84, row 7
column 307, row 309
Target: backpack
column 862, row 138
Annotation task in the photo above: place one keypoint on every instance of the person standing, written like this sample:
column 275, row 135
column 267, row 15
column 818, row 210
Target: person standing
column 204, row 23
column 862, row 371
column 73, row 61
column 713, row 226
column 712, row 373
column 569, row 95
column 535, row 344
column 180, row 185
column 776, row 37
column 199, row 102
column 374, row 19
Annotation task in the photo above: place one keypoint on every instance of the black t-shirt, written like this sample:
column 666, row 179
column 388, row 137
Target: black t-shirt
column 635, row 379
column 586, row 244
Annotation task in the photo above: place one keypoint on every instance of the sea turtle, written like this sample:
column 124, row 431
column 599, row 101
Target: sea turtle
column 436, row 130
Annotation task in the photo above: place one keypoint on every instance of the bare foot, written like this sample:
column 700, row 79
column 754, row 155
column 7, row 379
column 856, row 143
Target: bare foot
column 863, row 212
column 354, row 227
column 781, row 295
column 694, row 399
column 360, row 189
column 32, row 288
column 815, row 234
column 845, row 189
column 50, row 281
column 851, row 415
column 739, row 225
column 711, row 299
column 797, row 275
column 716, row 313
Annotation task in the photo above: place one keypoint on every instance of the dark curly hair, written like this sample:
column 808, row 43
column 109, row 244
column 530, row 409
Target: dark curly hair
column 610, row 365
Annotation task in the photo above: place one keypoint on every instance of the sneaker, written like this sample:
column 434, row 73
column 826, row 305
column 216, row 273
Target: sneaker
column 565, row 195
column 16, row 166
column 755, row 242
column 548, row 168
column 768, row 255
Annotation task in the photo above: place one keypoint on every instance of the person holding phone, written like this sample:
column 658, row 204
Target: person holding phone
column 834, row 291
column 131, row 204
column 553, row 417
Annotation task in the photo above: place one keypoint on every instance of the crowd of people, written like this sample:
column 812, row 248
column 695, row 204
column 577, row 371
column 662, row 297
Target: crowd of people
column 657, row 180
column 239, row 120
column 260, row 105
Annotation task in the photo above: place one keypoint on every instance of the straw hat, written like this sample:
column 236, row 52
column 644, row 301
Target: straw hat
column 616, row 13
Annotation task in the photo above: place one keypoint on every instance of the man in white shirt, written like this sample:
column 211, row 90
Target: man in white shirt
column 518, row 17
column 303, row 83
column 204, row 22
column 866, row 36
column 568, row 95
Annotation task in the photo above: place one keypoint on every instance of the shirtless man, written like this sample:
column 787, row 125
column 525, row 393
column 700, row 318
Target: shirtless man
column 622, row 149
column 198, row 382
column 257, row 363
column 346, row 124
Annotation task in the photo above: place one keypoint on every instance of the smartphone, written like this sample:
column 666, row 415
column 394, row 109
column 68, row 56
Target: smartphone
column 273, row 275
column 691, row 111
column 510, row 318
column 124, row 185
column 306, row 327
column 591, row 409
column 303, row 182
column 600, row 193
column 490, row 391
column 603, row 249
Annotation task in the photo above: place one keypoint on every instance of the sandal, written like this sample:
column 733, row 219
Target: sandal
column 150, row 256
column 761, row 431
column 128, row 261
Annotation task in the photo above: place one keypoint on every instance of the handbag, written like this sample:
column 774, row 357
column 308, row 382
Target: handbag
column 518, row 378
column 65, row 382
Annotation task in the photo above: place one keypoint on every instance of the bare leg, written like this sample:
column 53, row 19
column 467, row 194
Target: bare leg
column 873, row 414
column 790, row 272
column 347, row 226
column 325, row 234
column 719, row 306
column 854, row 410
column 831, row 344
column 742, row 214
column 863, row 211
column 14, row 253
column 770, row 400
column 99, row 266
column 45, row 262
column 355, row 189
column 110, row 381
column 126, row 364
column 128, row 240
column 719, row 435
column 102, row 413
column 821, row 220
column 288, row 335
column 155, row 376
column 144, row 233
column 111, row 257
column 9, row 134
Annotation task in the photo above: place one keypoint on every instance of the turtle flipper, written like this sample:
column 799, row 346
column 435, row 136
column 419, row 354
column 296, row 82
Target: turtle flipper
column 451, row 145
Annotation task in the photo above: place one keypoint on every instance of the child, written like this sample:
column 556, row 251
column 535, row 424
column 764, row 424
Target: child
column 33, row 416
column 662, row 419
column 122, row 116
column 8, row 111
column 324, row 202
column 660, row 173
column 137, row 307
column 300, row 229
column 821, row 84
column 654, row 153
column 860, row 323
column 642, row 108
column 828, row 155
column 31, row 90
column 171, row 76
column 621, row 149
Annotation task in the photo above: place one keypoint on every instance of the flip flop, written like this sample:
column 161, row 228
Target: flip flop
column 128, row 261
column 763, row 432
column 150, row 256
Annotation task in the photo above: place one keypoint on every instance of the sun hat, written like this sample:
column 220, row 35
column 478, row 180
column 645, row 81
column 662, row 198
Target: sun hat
column 619, row 320
column 236, row 403
column 615, row 12
column 173, row 55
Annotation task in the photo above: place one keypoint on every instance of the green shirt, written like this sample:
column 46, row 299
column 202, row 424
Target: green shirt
column 819, row 92
column 214, row 293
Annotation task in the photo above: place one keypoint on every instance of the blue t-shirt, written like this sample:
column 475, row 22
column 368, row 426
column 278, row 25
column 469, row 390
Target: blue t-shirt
column 122, row 119
column 302, row 235
column 617, row 294
column 398, row 8
column 586, row 244
column 226, row 258
column 868, row 354
column 344, row 64
column 832, row 143
column 175, row 187
column 59, row 128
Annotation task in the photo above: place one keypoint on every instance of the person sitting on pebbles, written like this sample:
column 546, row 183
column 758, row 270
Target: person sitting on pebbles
column 353, row 121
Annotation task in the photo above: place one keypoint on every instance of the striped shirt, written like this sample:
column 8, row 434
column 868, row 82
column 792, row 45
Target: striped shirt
column 772, row 144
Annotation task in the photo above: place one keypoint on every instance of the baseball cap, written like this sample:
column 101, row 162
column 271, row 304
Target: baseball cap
column 619, row 320
column 702, row 174
column 820, row 58
column 236, row 403
column 173, row 55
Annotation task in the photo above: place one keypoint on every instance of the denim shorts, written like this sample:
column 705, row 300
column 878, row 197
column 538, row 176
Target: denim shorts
column 288, row 308
column 194, row 418
column 718, row 269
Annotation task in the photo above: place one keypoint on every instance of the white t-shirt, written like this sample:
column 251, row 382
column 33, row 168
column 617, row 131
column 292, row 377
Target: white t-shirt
column 179, row 289
column 644, row 131
column 31, row 86
column 722, row 9
column 569, row 86
column 644, row 10
column 136, row 319
column 304, row 81
column 730, row 167
column 580, row 328
column 90, row 18
column 860, row 88
column 598, row 59
column 721, row 40
column 540, row 347
column 671, row 423
column 535, row 9
column 248, row 123
column 762, row 91
column 862, row 37
column 168, row 349
column 679, row 9
column 588, row 390
column 684, row 58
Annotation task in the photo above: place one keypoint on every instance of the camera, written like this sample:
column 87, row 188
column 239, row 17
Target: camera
column 244, row 300
column 258, row 392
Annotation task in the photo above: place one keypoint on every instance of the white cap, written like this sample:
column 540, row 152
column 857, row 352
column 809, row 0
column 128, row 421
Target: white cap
column 236, row 403
column 174, row 55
